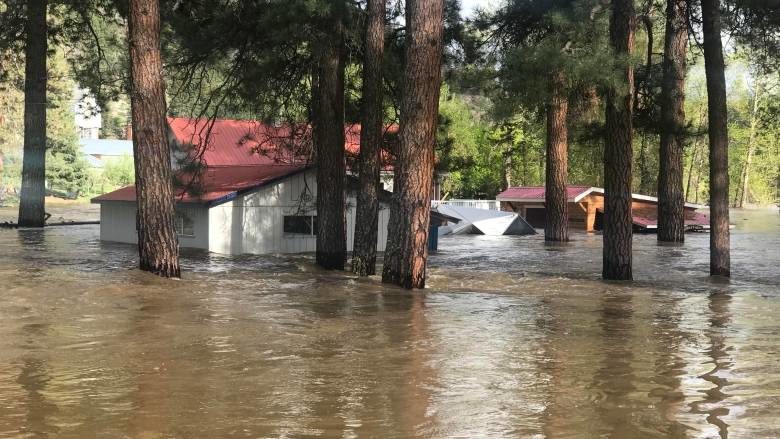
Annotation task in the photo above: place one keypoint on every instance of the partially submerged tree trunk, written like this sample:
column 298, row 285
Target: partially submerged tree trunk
column 407, row 250
column 328, row 124
column 719, row 139
column 33, row 192
column 745, row 193
column 367, row 214
column 618, row 225
column 158, row 245
column 556, row 221
column 671, row 199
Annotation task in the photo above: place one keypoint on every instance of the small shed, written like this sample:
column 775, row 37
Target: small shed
column 586, row 208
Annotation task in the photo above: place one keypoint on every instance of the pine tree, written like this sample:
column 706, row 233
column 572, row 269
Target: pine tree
column 158, row 246
column 718, row 137
column 406, row 253
column 367, row 214
column 328, row 125
column 671, row 199
column 556, row 227
column 32, row 196
column 618, row 224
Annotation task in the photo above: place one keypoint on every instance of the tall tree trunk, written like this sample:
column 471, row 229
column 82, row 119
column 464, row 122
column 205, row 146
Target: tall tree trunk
column 407, row 250
column 745, row 194
column 671, row 199
column 506, row 168
column 328, row 122
column 719, row 139
column 645, row 176
column 699, row 163
column 524, row 156
column 367, row 214
column 158, row 245
column 618, row 225
column 694, row 155
column 556, row 226
column 31, row 203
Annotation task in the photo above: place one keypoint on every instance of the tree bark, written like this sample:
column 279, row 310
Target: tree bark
column 328, row 123
column 671, row 199
column 745, row 193
column 158, row 245
column 367, row 214
column 407, row 251
column 556, row 213
column 33, row 192
column 719, row 139
column 618, row 225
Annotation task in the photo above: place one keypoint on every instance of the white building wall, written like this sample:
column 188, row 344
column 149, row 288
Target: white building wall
column 252, row 223
column 117, row 223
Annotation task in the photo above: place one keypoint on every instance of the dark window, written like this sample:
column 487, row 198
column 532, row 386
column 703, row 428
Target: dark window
column 300, row 224
column 185, row 226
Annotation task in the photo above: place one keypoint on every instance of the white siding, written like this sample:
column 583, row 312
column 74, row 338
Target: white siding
column 250, row 223
column 117, row 223
column 253, row 223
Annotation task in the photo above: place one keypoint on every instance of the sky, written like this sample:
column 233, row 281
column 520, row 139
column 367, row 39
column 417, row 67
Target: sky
column 468, row 6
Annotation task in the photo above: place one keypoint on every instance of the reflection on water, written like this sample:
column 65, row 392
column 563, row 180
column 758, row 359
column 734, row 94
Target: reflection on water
column 512, row 339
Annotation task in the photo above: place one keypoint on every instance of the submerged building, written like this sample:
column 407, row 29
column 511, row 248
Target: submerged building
column 254, row 192
column 586, row 208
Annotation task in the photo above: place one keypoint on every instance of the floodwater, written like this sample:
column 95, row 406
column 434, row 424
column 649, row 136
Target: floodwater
column 511, row 339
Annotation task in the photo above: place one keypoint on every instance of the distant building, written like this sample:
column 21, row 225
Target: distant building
column 586, row 208
column 99, row 151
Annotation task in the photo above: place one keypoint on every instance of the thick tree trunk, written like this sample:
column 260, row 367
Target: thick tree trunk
column 556, row 221
column 671, row 199
column 745, row 193
column 618, row 226
column 328, row 123
column 407, row 250
column 719, row 139
column 31, row 203
column 158, row 245
column 367, row 214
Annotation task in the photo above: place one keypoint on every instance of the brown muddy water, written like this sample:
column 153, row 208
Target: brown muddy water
column 511, row 339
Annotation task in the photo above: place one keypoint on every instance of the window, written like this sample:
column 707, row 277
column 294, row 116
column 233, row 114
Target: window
column 300, row 225
column 185, row 226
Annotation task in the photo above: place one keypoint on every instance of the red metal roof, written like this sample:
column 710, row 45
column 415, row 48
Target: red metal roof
column 216, row 183
column 227, row 142
column 522, row 193
column 241, row 154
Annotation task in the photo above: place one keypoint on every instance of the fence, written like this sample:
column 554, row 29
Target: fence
column 476, row 204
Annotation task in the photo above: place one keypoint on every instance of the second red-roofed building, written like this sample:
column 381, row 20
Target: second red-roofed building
column 586, row 208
